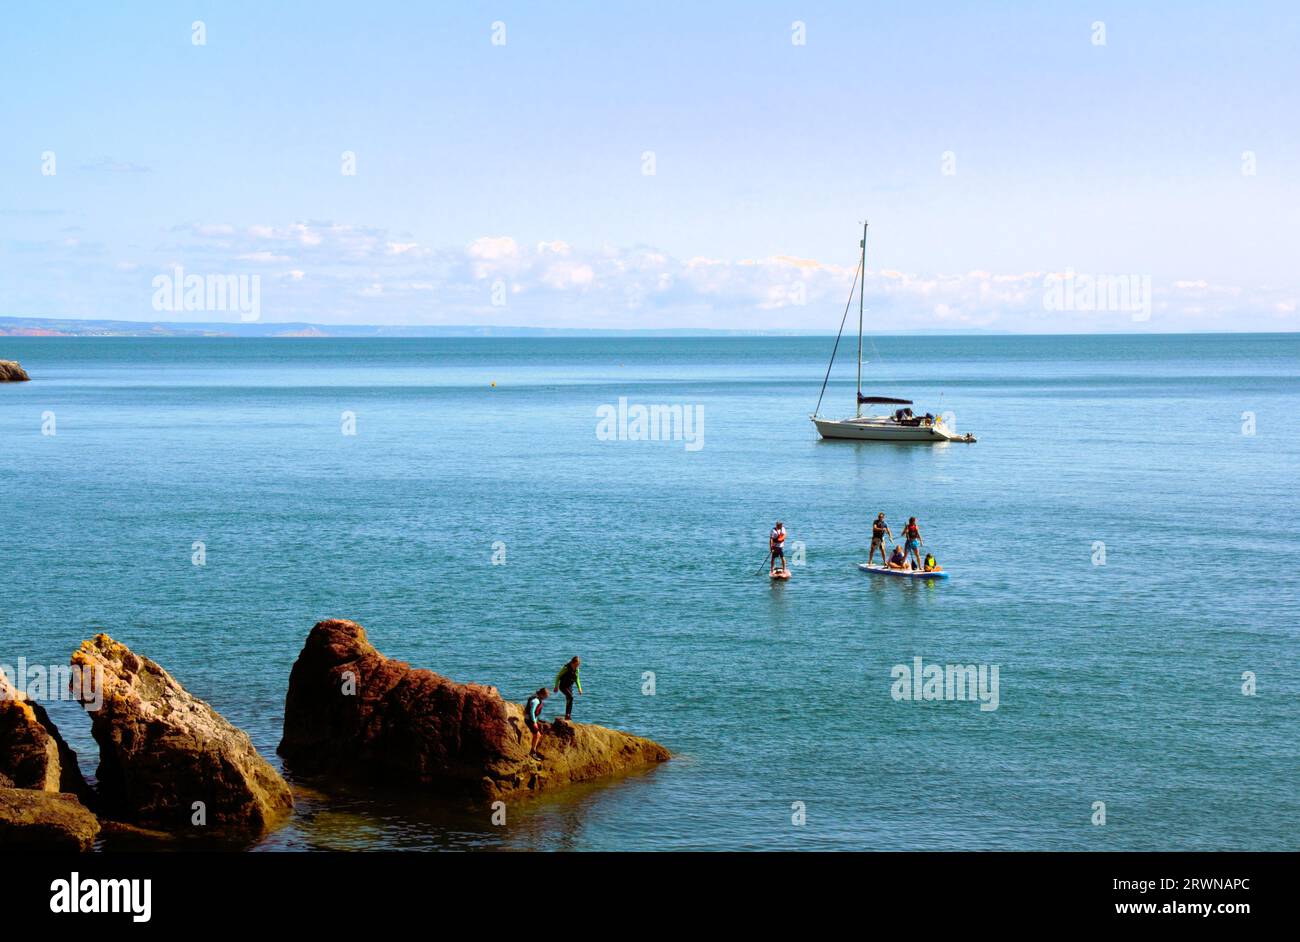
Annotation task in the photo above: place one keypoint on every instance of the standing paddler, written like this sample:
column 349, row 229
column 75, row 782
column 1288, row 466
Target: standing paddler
column 879, row 530
column 776, row 546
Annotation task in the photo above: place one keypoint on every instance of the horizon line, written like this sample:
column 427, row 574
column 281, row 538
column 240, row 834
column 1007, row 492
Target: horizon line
column 284, row 329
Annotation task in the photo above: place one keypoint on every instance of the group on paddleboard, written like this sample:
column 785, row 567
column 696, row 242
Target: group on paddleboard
column 902, row 557
column 905, row 560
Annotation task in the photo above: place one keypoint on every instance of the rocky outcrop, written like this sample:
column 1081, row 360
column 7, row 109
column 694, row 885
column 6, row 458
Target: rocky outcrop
column 11, row 372
column 161, row 750
column 45, row 820
column 352, row 712
column 32, row 753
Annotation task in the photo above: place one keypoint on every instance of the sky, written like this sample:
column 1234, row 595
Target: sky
column 633, row 165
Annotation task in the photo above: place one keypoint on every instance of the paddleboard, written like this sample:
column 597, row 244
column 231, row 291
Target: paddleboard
column 905, row 573
column 780, row 573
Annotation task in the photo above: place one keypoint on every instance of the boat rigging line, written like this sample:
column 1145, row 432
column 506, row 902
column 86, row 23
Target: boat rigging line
column 844, row 320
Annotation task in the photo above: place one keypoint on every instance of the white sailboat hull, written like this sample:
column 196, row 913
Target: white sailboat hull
column 881, row 428
column 902, row 425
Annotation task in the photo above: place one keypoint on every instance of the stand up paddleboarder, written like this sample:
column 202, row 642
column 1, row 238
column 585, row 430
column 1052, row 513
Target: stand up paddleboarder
column 879, row 530
column 776, row 545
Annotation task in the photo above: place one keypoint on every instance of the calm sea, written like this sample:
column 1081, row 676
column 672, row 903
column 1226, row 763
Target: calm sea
column 1122, row 543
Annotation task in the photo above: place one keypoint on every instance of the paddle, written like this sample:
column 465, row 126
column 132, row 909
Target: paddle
column 767, row 565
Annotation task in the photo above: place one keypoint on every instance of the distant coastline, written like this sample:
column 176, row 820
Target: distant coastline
column 88, row 327
column 84, row 327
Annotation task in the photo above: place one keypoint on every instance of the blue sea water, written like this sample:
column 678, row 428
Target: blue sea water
column 1119, row 683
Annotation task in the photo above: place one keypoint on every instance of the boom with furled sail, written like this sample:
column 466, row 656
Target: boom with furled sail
column 900, row 426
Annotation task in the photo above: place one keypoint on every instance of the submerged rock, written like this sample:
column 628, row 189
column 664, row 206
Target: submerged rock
column 45, row 820
column 32, row 753
column 161, row 750
column 354, row 713
column 11, row 372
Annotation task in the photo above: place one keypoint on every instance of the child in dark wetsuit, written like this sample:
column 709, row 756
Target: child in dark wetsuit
column 533, row 720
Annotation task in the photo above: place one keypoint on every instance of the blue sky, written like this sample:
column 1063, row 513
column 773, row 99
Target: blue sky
column 507, row 184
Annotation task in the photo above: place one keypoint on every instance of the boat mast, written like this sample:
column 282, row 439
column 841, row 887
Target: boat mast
column 862, row 290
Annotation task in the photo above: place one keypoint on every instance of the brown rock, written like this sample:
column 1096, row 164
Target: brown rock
column 32, row 753
column 126, row 836
column 406, row 726
column 161, row 750
column 46, row 820
column 11, row 372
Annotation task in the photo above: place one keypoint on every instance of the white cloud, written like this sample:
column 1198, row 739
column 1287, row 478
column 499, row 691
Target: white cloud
column 557, row 282
column 568, row 275
column 493, row 248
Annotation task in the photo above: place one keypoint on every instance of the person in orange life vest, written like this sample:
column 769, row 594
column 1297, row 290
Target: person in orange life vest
column 776, row 544
column 912, row 541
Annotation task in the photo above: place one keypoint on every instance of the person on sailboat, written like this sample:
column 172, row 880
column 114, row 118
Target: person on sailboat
column 912, row 541
column 776, row 545
column 879, row 529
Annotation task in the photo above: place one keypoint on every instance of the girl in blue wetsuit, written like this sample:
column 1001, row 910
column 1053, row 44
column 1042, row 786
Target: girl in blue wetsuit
column 533, row 720
column 912, row 536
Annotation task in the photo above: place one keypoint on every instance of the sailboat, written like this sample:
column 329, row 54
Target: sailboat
column 898, row 425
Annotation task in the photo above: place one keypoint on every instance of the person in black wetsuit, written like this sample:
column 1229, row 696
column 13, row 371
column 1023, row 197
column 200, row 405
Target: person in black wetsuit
column 565, row 681
column 879, row 530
